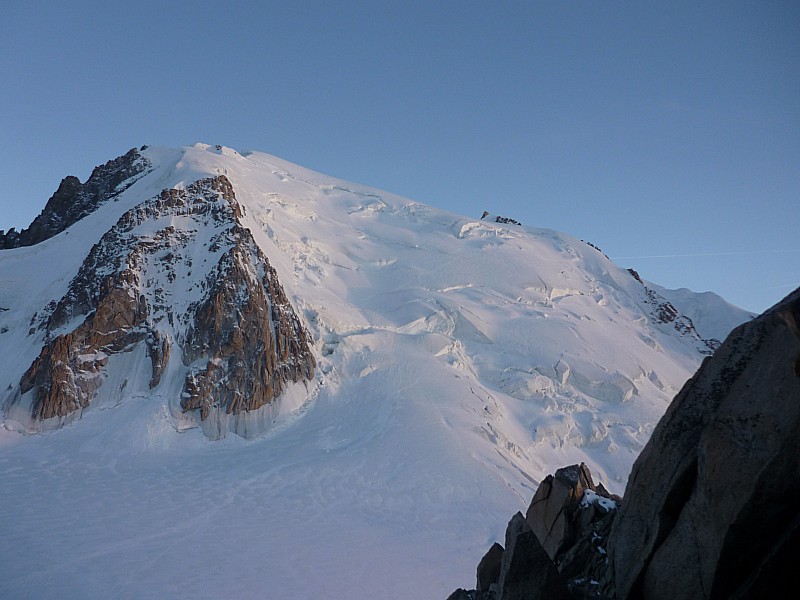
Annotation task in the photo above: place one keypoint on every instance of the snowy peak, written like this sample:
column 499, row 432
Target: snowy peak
column 414, row 373
column 558, row 349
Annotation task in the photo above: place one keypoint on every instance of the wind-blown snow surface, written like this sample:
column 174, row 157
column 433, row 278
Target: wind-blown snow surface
column 460, row 361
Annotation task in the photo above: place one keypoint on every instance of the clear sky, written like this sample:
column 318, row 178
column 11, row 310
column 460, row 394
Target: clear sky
column 666, row 133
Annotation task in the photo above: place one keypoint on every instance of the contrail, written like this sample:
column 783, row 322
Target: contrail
column 782, row 286
column 741, row 253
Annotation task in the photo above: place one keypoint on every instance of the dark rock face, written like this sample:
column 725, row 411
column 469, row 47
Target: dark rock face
column 74, row 200
column 549, row 515
column 709, row 509
column 489, row 568
column 240, row 341
column 462, row 594
column 526, row 572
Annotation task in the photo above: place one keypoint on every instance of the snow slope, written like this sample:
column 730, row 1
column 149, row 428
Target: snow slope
column 460, row 361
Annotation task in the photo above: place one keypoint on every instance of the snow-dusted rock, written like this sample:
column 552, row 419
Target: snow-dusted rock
column 558, row 549
column 244, row 341
column 549, row 514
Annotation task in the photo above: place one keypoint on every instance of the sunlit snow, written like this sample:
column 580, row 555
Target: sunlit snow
column 460, row 360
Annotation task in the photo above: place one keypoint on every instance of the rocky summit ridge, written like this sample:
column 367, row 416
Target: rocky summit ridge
column 74, row 200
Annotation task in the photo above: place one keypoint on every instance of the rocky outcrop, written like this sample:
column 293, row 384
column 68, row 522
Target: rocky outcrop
column 709, row 508
column 557, row 550
column 709, row 511
column 74, row 200
column 550, row 511
column 521, row 571
column 662, row 311
column 66, row 374
column 240, row 342
column 572, row 518
column 489, row 568
column 499, row 219
column 526, row 571
column 248, row 336
column 591, row 245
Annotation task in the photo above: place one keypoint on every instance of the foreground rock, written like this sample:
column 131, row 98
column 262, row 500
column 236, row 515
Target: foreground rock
column 557, row 549
column 710, row 508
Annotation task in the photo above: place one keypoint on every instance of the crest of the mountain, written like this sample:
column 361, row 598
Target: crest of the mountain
column 74, row 200
column 240, row 342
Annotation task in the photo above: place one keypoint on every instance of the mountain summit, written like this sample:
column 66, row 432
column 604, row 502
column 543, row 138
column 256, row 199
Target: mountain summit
column 400, row 368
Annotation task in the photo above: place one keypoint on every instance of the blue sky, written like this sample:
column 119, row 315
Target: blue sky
column 668, row 134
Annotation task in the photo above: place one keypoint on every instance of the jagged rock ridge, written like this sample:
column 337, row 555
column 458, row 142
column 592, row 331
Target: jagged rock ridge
column 239, row 340
column 662, row 311
column 74, row 200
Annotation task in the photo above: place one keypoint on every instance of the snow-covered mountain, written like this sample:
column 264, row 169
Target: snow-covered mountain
column 398, row 376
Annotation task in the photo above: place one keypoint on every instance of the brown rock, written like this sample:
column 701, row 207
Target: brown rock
column 550, row 513
column 247, row 333
column 64, row 376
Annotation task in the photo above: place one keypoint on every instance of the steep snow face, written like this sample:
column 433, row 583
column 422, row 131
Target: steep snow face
column 459, row 361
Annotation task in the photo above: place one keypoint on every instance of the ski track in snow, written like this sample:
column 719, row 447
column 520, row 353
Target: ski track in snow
column 459, row 362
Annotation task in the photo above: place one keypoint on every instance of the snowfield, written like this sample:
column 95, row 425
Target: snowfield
column 459, row 362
